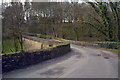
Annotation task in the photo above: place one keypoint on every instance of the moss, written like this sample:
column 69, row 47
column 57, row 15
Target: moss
column 62, row 45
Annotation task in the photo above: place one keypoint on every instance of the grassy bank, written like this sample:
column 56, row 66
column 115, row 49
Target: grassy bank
column 8, row 46
column 116, row 51
column 110, row 46
column 113, row 50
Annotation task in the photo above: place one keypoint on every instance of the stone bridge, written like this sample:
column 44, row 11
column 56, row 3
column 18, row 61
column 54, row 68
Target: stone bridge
column 35, row 43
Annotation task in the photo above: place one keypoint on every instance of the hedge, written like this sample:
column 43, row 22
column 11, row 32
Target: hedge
column 109, row 45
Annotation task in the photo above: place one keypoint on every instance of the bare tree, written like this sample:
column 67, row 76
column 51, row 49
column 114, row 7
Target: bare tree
column 13, row 20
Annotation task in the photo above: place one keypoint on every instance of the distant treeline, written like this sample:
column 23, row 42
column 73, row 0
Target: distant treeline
column 90, row 21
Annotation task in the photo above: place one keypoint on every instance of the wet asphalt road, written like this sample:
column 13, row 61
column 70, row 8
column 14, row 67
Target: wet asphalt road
column 81, row 62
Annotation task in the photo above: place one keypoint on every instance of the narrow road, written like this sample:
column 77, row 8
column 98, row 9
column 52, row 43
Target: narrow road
column 81, row 62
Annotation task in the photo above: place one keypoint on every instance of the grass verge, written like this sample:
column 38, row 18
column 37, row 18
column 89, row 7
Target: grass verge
column 113, row 50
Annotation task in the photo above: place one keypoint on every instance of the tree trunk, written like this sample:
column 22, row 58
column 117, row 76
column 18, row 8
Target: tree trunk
column 15, row 39
column 63, row 35
column 21, row 43
column 77, row 37
column 118, row 28
column 16, row 44
column 76, row 34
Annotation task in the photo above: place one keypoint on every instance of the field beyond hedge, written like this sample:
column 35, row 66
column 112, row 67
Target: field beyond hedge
column 8, row 46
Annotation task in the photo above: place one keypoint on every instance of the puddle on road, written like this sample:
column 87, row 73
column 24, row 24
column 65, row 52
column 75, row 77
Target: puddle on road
column 55, row 71
column 106, row 57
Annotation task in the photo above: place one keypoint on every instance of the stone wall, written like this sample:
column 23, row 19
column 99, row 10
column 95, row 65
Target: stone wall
column 83, row 43
column 19, row 60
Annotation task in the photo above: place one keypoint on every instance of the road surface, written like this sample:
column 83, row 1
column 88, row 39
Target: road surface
column 81, row 62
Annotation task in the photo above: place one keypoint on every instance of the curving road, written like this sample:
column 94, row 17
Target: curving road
column 81, row 62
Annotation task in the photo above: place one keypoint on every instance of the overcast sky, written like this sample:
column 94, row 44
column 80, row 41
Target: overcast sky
column 55, row 0
column 41, row 0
